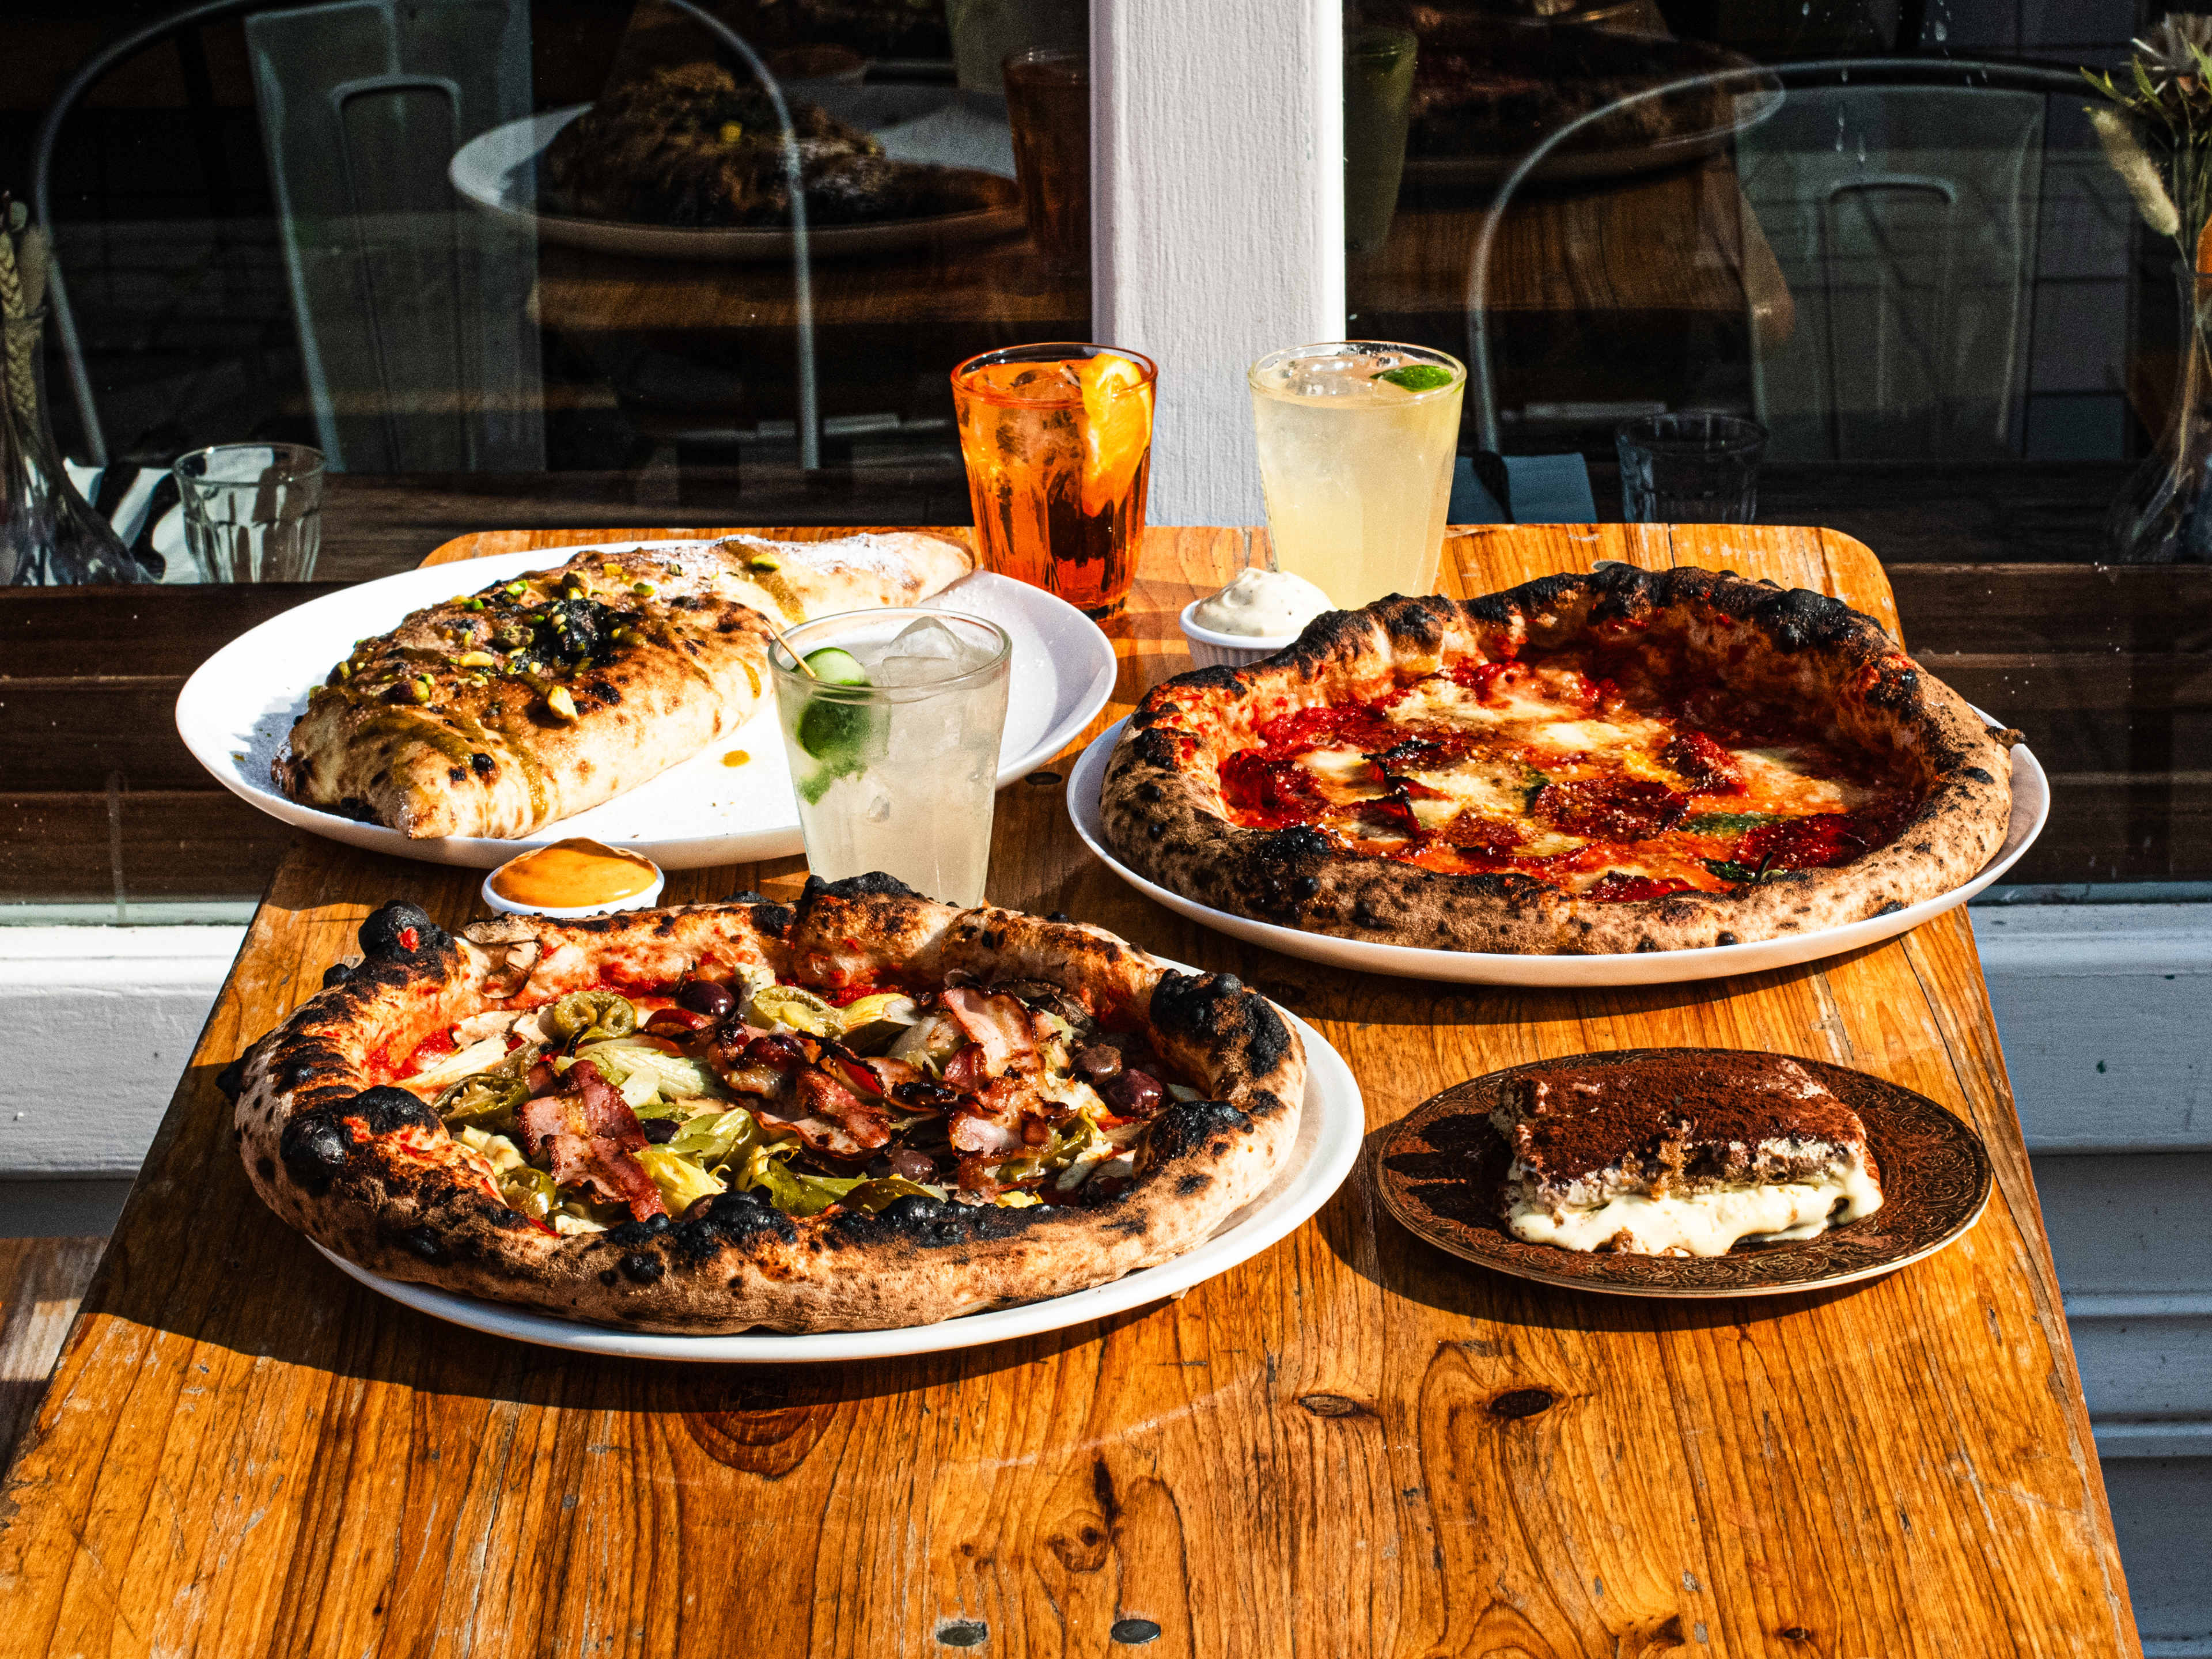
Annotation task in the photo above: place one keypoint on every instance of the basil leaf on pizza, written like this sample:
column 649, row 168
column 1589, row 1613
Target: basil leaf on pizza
column 868, row 1110
column 1622, row 761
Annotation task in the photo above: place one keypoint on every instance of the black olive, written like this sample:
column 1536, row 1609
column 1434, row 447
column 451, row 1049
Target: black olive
column 400, row 929
column 704, row 996
column 914, row 1163
column 337, row 974
column 658, row 1130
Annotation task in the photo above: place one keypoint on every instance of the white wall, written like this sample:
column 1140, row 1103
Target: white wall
column 1205, row 268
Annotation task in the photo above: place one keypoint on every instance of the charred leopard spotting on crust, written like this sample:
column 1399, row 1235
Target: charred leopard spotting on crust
column 1188, row 1126
column 358, row 1169
column 386, row 1110
column 1217, row 1009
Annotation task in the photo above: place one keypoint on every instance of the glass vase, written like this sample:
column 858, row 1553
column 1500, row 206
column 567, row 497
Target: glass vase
column 2163, row 516
column 49, row 534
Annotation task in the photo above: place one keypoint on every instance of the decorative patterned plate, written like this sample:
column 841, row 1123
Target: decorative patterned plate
column 1441, row 1170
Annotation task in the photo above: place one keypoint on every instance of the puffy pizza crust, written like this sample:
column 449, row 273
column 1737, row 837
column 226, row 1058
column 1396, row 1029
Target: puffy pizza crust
column 495, row 760
column 372, row 1175
column 1162, row 809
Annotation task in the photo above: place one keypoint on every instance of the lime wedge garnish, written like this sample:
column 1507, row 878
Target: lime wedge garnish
column 1416, row 377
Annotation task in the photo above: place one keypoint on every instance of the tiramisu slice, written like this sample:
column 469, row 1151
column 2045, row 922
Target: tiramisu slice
column 1681, row 1155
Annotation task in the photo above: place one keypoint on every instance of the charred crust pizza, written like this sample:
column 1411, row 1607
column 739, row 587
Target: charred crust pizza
column 501, row 711
column 867, row 1110
column 1624, row 760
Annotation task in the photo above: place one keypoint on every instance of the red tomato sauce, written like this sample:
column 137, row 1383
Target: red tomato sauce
column 1693, row 823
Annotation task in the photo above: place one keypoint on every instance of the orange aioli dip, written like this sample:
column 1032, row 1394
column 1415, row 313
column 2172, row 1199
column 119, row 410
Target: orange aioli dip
column 569, row 874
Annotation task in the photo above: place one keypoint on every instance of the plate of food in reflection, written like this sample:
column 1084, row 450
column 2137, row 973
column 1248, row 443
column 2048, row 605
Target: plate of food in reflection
column 686, row 163
column 1488, row 89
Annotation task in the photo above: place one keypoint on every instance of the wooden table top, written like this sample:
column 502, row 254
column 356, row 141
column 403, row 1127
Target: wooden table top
column 245, row 1452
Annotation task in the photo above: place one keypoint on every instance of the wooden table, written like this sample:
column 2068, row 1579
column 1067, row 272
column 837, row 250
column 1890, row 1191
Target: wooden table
column 1351, row 1444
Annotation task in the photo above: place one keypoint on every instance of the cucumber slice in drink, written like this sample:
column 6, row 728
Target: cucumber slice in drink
column 834, row 667
column 837, row 734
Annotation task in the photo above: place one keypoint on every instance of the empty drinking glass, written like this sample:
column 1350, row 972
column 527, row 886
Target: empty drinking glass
column 253, row 512
column 1689, row 469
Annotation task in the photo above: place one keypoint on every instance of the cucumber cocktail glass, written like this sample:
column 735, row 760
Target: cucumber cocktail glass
column 892, row 726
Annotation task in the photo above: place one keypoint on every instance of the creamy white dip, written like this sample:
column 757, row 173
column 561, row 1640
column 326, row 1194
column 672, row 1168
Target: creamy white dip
column 1263, row 604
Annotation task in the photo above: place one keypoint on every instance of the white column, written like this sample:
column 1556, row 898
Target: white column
column 1218, row 230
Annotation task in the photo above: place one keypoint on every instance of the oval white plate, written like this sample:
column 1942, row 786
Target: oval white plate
column 2031, row 806
column 1332, row 1123
column 496, row 173
column 237, row 711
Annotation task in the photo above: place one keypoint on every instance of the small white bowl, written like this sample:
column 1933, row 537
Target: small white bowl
column 639, row 900
column 1211, row 650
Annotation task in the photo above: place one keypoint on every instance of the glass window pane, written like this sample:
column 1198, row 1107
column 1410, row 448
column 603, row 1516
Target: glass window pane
column 506, row 264
column 1889, row 236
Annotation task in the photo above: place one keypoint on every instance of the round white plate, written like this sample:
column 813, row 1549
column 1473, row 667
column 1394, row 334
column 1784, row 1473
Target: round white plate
column 1331, row 1125
column 238, row 710
column 496, row 173
column 2031, row 806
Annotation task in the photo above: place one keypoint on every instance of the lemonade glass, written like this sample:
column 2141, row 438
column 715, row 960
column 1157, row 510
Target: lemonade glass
column 1356, row 440
column 891, row 720
column 1058, row 439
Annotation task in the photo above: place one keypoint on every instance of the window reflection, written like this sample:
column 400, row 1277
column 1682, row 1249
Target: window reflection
column 490, row 236
column 505, row 264
column 1887, row 234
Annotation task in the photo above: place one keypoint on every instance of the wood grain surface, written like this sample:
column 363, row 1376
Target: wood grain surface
column 1352, row 1444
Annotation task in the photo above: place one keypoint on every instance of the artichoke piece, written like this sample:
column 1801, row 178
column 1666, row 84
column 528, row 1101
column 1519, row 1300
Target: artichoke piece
column 716, row 1138
column 802, row 1011
column 591, row 1016
column 682, row 1182
column 873, row 1022
column 929, row 1043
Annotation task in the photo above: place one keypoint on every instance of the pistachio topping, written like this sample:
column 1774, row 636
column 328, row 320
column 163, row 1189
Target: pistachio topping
column 562, row 706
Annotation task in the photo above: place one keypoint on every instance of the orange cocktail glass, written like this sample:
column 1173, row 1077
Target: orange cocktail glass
column 1059, row 443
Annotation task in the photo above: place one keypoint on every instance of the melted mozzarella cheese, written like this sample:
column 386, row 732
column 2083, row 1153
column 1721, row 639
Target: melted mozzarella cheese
column 1344, row 775
column 1485, row 783
column 1336, row 765
column 1780, row 777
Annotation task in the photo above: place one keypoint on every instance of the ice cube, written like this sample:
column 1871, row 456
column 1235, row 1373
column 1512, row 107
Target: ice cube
column 925, row 652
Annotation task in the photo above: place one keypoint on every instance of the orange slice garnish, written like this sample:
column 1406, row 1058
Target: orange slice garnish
column 1116, row 425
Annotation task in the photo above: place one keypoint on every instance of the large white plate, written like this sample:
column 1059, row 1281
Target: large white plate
column 236, row 712
column 496, row 173
column 2031, row 806
column 1331, row 1125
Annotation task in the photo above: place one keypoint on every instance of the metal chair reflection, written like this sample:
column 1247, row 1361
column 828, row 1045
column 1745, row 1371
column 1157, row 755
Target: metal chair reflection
column 1903, row 216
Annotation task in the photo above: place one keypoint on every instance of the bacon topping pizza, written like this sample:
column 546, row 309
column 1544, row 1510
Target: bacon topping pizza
column 605, row 1106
